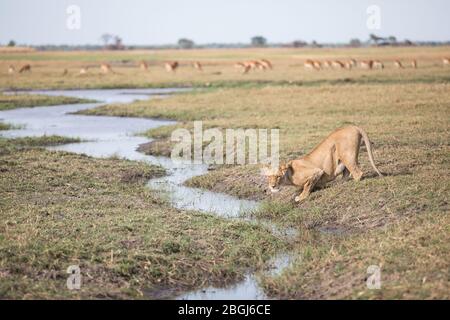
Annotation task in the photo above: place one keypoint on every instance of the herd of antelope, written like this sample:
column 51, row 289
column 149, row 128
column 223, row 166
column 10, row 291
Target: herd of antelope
column 246, row 66
column 261, row 64
column 364, row 64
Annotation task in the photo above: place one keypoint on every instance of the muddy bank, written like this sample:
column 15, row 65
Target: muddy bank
column 160, row 147
column 323, row 211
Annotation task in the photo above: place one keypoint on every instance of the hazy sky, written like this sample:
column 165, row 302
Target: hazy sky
column 205, row 21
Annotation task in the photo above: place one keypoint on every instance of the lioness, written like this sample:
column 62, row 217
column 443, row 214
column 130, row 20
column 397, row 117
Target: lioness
column 336, row 155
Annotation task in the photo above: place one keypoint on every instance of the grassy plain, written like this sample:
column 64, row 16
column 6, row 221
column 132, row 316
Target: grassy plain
column 399, row 222
column 48, row 68
column 60, row 209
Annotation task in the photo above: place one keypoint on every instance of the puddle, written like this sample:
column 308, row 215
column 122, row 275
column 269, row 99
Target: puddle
column 116, row 136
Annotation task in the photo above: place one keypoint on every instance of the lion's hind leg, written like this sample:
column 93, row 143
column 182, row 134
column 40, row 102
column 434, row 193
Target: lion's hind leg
column 351, row 166
column 353, row 169
column 342, row 169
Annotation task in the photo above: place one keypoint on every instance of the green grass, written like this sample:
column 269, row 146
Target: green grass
column 15, row 144
column 413, row 257
column 59, row 209
column 408, row 124
column 13, row 101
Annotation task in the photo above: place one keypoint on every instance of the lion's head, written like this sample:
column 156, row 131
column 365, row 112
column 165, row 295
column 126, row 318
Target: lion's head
column 275, row 177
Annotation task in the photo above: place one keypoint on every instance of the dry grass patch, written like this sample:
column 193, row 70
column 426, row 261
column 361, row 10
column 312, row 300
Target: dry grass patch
column 59, row 209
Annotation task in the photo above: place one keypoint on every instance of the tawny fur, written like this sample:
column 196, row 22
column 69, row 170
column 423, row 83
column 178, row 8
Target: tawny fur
column 197, row 65
column 143, row 65
column 171, row 66
column 368, row 64
column 106, row 68
column 25, row 68
column 336, row 155
column 337, row 64
column 398, row 64
column 266, row 64
column 244, row 67
column 377, row 64
column 311, row 64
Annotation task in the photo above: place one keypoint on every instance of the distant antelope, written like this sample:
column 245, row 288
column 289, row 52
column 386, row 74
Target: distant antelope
column 353, row 63
column 368, row 64
column 171, row 66
column 446, row 62
column 11, row 69
column 26, row 68
column 260, row 65
column 327, row 64
column 317, row 64
column 398, row 64
column 65, row 72
column 377, row 64
column 310, row 64
column 266, row 63
column 143, row 65
column 337, row 64
column 197, row 65
column 242, row 66
column 348, row 65
column 83, row 70
column 106, row 68
column 253, row 64
column 414, row 64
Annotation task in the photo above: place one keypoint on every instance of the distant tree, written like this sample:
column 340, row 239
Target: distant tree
column 106, row 38
column 408, row 42
column 117, row 43
column 374, row 38
column 186, row 43
column 355, row 43
column 315, row 44
column 11, row 43
column 299, row 44
column 392, row 39
column 258, row 41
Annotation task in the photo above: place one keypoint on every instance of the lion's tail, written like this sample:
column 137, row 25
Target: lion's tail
column 369, row 149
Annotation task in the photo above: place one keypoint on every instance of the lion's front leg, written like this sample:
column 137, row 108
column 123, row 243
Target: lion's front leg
column 311, row 181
